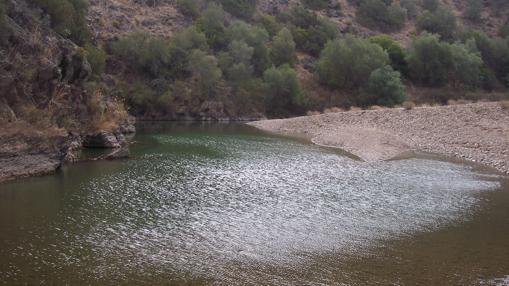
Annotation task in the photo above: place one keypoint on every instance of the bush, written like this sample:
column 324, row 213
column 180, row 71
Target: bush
column 347, row 63
column 376, row 14
column 316, row 4
column 441, row 22
column 4, row 30
column 284, row 96
column 411, row 8
column 205, row 72
column 212, row 24
column 283, row 48
column 394, row 50
column 255, row 37
column 189, row 7
column 147, row 53
column 436, row 63
column 240, row 8
column 96, row 57
column 430, row 5
column 494, row 52
column 473, row 10
column 270, row 24
column 313, row 38
column 384, row 87
column 68, row 18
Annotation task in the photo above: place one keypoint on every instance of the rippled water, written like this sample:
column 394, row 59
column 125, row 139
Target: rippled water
column 224, row 204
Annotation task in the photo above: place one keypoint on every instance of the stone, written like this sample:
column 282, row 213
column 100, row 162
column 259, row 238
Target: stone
column 101, row 139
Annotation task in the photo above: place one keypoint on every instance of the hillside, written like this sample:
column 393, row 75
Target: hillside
column 72, row 71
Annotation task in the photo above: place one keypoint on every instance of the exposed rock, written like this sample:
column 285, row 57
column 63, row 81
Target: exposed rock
column 27, row 165
column 101, row 139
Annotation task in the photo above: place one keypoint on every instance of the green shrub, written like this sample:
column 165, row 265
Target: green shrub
column 384, row 87
column 205, row 72
column 394, row 50
column 4, row 30
column 212, row 24
column 190, row 7
column 504, row 30
column 96, row 57
column 145, row 52
column 347, row 63
column 312, row 39
column 473, row 10
column 377, row 14
column 284, row 96
column 411, row 8
column 430, row 5
column 283, row 48
column 441, row 22
column 316, row 4
column 68, row 18
column 270, row 24
column 494, row 52
column 255, row 37
column 436, row 63
column 240, row 8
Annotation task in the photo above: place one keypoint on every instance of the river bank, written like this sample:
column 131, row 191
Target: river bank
column 477, row 132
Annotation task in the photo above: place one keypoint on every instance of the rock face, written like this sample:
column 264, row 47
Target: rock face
column 27, row 165
column 101, row 139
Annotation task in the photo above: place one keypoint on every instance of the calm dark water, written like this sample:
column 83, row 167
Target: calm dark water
column 225, row 204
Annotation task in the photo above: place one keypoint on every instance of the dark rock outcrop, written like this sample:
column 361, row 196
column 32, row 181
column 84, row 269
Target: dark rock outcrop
column 101, row 139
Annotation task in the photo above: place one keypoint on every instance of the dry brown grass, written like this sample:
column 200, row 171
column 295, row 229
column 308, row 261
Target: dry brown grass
column 376, row 107
column 355, row 108
column 312, row 113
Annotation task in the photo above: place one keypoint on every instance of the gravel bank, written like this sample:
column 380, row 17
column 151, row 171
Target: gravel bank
column 476, row 132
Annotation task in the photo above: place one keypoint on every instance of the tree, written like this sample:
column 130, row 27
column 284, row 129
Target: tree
column 212, row 24
column 205, row 71
column 473, row 10
column 283, row 48
column 411, row 8
column 255, row 37
column 394, row 50
column 283, row 91
column 240, row 8
column 347, row 63
column 97, row 58
column 189, row 7
column 316, row 4
column 384, row 88
column 429, row 60
column 436, row 63
column 377, row 14
column 147, row 53
column 441, row 22
column 430, row 5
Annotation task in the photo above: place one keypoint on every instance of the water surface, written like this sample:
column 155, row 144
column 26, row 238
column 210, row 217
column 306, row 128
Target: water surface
column 225, row 204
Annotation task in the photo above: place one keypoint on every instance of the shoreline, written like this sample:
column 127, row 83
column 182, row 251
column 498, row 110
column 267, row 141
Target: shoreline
column 477, row 132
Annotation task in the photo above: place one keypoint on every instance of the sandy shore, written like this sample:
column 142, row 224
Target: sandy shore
column 476, row 132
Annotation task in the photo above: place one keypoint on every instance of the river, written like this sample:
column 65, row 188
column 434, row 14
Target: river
column 225, row 204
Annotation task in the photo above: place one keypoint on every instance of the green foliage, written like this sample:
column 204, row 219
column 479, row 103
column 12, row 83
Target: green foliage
column 96, row 57
column 237, row 61
column 212, row 24
column 68, row 18
column 430, row 5
column 316, row 4
column 190, row 7
column 504, row 30
column 150, row 54
column 310, row 32
column 240, row 8
column 394, row 50
column 494, row 52
column 283, row 48
column 347, row 63
column 205, row 71
column 384, row 88
column 473, row 10
column 377, row 14
column 441, row 22
column 436, row 63
column 411, row 8
column 270, row 24
column 255, row 37
column 283, row 91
